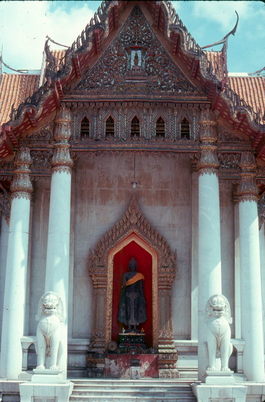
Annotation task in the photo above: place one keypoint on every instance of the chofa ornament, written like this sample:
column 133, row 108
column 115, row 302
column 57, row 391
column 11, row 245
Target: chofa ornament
column 49, row 331
column 218, row 317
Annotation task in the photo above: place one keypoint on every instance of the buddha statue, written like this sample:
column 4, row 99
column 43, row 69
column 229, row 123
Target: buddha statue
column 132, row 307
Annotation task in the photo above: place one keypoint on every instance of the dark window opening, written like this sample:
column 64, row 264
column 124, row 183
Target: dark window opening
column 135, row 127
column 160, row 127
column 185, row 129
column 109, row 132
column 84, row 132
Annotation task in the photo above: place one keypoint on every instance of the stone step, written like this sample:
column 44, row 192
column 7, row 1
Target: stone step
column 156, row 390
column 145, row 381
column 174, row 387
column 134, row 392
column 92, row 398
column 189, row 374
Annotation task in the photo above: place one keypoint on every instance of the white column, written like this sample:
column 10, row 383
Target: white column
column 251, row 297
column 194, row 258
column 3, row 254
column 16, row 269
column 57, row 265
column 262, row 264
column 209, row 240
column 237, row 317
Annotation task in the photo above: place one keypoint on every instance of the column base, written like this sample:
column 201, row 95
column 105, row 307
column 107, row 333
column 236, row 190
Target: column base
column 216, row 393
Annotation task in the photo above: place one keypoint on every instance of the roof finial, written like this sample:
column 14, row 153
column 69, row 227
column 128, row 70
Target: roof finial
column 259, row 73
column 56, row 43
column 10, row 68
column 224, row 42
column 225, row 38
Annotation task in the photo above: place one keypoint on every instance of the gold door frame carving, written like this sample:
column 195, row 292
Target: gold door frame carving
column 131, row 226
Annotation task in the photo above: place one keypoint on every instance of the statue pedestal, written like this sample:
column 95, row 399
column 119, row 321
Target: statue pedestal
column 46, row 385
column 130, row 342
column 220, row 393
column 133, row 366
column 219, row 377
column 47, row 376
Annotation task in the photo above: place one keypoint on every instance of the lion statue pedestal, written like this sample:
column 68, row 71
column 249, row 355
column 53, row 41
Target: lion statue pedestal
column 218, row 319
column 48, row 380
column 220, row 384
column 49, row 332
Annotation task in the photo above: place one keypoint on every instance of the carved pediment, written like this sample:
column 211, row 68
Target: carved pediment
column 133, row 220
column 135, row 63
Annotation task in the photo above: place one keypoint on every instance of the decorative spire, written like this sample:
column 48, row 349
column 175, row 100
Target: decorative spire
column 10, row 68
column 56, row 43
column 259, row 73
column 224, row 42
column 225, row 38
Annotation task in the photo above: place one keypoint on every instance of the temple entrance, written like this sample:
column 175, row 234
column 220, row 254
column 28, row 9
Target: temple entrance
column 132, row 236
column 120, row 266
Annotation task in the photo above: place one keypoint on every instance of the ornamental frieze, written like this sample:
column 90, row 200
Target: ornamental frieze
column 41, row 160
column 229, row 160
column 135, row 63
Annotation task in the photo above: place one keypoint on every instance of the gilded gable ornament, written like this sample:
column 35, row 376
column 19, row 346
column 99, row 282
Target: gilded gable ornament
column 135, row 63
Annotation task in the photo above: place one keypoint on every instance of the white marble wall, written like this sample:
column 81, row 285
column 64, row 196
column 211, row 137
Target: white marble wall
column 101, row 189
column 38, row 249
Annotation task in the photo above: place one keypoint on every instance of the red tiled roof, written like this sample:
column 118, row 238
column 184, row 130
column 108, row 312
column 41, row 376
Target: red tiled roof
column 14, row 89
column 216, row 59
column 59, row 55
column 251, row 89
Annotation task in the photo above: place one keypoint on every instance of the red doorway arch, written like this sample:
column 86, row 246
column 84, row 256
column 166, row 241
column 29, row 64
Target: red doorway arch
column 133, row 245
column 120, row 266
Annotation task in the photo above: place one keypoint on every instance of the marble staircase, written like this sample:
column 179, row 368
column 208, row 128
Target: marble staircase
column 122, row 390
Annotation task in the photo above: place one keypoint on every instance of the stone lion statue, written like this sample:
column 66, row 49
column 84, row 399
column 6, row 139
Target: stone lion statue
column 218, row 316
column 49, row 331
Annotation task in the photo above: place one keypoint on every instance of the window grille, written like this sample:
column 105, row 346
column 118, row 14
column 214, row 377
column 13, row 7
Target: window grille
column 160, row 127
column 135, row 127
column 109, row 132
column 185, row 129
column 84, row 132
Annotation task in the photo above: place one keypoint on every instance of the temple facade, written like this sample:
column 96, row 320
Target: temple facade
column 133, row 143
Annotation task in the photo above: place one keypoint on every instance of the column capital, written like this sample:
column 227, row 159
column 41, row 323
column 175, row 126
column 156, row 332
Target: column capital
column 21, row 186
column 247, row 189
column 208, row 162
column 61, row 161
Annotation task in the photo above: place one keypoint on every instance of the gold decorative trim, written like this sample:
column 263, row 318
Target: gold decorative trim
column 61, row 161
column 208, row 123
column 247, row 189
column 208, row 162
column 21, row 186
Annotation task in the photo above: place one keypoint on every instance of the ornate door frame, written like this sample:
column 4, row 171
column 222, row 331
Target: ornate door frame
column 131, row 226
column 133, row 236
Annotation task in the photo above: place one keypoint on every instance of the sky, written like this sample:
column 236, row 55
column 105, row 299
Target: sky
column 25, row 24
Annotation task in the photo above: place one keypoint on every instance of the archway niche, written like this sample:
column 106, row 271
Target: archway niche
column 133, row 234
column 134, row 246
